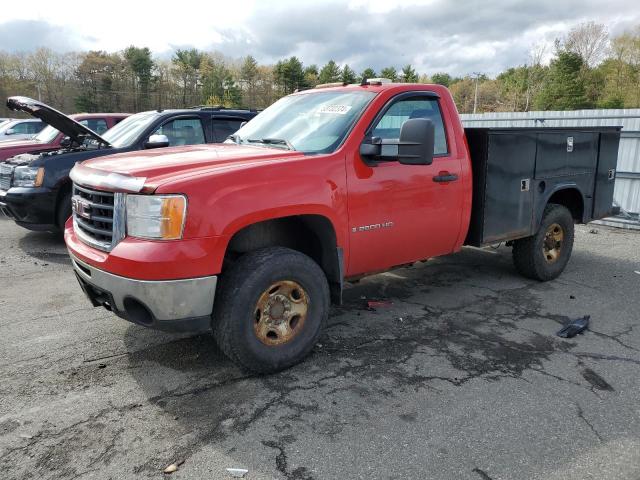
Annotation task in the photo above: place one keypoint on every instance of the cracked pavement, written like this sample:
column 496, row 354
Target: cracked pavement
column 461, row 377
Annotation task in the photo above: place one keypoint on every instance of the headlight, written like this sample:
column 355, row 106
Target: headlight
column 28, row 177
column 156, row 216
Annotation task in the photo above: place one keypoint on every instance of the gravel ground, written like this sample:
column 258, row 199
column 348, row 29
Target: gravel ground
column 462, row 377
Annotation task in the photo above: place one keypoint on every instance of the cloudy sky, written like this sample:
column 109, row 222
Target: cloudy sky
column 458, row 37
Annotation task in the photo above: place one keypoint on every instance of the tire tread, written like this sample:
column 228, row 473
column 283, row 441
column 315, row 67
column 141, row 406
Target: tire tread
column 234, row 280
column 526, row 258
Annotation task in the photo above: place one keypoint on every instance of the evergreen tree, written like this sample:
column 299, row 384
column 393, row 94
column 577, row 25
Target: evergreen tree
column 311, row 76
column 348, row 75
column 140, row 64
column 187, row 63
column 330, row 73
column 368, row 73
column 564, row 88
column 390, row 73
column 441, row 78
column 218, row 84
column 289, row 75
column 249, row 80
column 409, row 74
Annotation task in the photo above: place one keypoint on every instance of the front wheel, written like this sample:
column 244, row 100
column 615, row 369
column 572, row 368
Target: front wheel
column 270, row 309
column 545, row 255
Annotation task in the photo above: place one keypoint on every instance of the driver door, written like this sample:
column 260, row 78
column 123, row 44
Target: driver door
column 403, row 213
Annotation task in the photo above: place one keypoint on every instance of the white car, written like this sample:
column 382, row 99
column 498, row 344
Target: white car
column 20, row 129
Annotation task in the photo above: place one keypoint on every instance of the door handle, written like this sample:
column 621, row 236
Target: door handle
column 443, row 177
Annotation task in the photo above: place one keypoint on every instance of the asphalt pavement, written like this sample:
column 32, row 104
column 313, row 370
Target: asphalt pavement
column 460, row 376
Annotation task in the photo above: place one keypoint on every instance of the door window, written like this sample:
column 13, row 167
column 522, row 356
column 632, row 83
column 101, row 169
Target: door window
column 34, row 127
column 98, row 125
column 27, row 127
column 182, row 131
column 223, row 127
column 388, row 127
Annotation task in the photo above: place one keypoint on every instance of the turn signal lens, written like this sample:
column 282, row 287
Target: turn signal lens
column 39, row 177
column 173, row 209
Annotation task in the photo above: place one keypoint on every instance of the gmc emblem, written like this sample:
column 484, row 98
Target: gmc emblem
column 80, row 207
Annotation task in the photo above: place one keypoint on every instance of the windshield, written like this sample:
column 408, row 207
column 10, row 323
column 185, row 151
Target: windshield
column 314, row 122
column 47, row 135
column 125, row 133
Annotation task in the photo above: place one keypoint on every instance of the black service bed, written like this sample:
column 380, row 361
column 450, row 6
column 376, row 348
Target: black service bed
column 516, row 171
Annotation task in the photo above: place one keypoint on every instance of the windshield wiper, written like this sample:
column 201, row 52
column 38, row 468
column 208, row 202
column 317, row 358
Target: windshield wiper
column 272, row 141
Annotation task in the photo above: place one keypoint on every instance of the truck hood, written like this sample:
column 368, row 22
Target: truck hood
column 53, row 117
column 6, row 144
column 150, row 168
column 17, row 147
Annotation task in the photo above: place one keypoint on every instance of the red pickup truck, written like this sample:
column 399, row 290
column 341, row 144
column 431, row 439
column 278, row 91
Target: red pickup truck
column 324, row 186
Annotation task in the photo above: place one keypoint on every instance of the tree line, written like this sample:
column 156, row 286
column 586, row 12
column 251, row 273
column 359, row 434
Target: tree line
column 588, row 69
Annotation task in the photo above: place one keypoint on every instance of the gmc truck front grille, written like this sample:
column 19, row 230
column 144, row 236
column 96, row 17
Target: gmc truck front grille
column 98, row 217
column 6, row 172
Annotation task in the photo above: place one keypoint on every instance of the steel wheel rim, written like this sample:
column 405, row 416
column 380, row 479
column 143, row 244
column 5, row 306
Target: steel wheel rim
column 552, row 243
column 280, row 313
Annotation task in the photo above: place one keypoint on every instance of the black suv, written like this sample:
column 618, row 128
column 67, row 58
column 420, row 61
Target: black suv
column 35, row 189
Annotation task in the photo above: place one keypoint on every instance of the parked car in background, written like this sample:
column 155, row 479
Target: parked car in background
column 35, row 189
column 20, row 129
column 50, row 138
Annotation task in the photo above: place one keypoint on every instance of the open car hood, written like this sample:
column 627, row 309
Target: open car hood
column 74, row 130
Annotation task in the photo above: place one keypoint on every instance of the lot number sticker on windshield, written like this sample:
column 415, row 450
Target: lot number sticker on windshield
column 335, row 109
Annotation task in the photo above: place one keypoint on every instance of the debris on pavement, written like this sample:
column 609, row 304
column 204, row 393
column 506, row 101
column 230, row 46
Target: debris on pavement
column 173, row 467
column 237, row 472
column 594, row 231
column 373, row 304
column 637, row 271
column 574, row 327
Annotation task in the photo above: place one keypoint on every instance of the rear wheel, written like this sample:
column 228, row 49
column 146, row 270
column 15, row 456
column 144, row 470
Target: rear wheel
column 270, row 309
column 545, row 255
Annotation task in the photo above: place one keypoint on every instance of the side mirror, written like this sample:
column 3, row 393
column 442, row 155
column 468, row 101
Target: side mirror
column 417, row 137
column 157, row 141
column 65, row 142
column 11, row 131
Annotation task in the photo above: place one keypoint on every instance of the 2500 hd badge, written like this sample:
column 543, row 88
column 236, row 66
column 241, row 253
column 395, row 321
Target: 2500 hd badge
column 375, row 226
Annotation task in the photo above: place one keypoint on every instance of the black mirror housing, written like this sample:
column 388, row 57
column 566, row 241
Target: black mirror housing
column 370, row 149
column 417, row 138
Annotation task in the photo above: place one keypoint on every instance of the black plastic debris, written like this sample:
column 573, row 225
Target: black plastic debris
column 574, row 327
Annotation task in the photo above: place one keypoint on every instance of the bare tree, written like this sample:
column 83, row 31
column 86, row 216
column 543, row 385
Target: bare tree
column 537, row 53
column 590, row 40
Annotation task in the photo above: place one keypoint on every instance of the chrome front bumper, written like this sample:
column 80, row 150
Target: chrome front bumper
column 184, row 305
